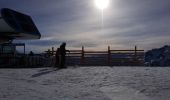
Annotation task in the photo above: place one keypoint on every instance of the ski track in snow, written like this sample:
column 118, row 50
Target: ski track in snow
column 86, row 83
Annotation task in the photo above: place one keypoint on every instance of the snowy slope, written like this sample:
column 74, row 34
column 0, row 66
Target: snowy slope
column 85, row 83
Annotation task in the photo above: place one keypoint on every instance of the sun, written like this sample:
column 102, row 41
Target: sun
column 102, row 4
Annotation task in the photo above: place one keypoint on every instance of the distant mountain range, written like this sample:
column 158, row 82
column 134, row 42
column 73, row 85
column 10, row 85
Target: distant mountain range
column 158, row 57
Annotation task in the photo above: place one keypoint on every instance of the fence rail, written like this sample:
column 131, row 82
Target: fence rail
column 104, row 58
column 79, row 57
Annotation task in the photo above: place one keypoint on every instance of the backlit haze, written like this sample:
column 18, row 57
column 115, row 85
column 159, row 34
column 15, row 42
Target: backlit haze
column 126, row 23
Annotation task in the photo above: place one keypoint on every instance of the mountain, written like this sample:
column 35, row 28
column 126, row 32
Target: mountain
column 158, row 57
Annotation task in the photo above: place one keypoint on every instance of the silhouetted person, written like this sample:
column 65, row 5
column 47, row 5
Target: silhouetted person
column 31, row 53
column 57, row 57
column 63, row 55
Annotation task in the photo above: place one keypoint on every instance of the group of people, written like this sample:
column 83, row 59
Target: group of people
column 61, row 56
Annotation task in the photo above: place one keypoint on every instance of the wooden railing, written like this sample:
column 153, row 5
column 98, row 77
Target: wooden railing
column 80, row 57
column 106, row 58
column 109, row 57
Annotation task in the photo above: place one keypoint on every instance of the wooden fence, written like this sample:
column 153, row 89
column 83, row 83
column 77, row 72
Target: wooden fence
column 80, row 57
column 106, row 58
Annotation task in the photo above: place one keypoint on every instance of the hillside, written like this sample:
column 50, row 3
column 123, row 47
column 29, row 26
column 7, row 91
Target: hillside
column 158, row 57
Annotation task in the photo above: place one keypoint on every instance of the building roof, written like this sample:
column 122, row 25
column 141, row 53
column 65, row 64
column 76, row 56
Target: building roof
column 16, row 25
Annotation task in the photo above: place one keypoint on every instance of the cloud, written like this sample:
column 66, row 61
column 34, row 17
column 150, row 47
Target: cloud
column 126, row 23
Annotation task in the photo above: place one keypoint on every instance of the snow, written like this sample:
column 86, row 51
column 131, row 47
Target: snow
column 86, row 83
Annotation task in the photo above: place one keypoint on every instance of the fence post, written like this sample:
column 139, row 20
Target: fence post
column 135, row 52
column 135, row 63
column 82, row 55
column 52, row 51
column 24, row 49
column 109, row 54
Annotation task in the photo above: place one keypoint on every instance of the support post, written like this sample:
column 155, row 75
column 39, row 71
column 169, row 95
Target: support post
column 82, row 55
column 24, row 49
column 25, row 58
column 52, row 51
column 135, row 53
column 109, row 54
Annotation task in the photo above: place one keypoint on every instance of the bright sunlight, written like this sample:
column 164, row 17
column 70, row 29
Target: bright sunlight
column 102, row 4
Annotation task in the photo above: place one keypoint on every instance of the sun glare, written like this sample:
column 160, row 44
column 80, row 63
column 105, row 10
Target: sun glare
column 102, row 4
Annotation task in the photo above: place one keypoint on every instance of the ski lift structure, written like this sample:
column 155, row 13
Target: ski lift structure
column 16, row 26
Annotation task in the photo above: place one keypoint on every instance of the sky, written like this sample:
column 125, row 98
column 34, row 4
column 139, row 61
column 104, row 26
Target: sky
column 126, row 23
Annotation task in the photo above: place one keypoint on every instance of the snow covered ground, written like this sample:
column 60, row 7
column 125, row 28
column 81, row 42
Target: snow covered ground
column 86, row 83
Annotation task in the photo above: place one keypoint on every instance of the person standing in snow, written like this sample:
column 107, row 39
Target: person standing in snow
column 57, row 57
column 63, row 55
